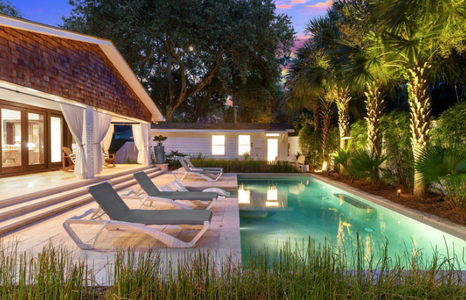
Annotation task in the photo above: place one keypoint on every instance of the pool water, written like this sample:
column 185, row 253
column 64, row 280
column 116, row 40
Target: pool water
column 274, row 210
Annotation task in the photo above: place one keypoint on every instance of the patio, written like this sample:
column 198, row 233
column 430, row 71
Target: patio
column 222, row 238
column 38, row 182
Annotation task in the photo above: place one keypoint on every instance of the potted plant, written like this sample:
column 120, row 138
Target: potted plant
column 159, row 150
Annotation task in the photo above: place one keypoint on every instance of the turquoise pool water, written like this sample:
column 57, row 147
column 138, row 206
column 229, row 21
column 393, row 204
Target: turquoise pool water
column 274, row 210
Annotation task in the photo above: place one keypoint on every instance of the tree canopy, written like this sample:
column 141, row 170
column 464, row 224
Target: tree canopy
column 9, row 9
column 176, row 47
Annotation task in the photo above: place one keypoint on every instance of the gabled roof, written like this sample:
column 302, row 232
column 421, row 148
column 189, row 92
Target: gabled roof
column 107, row 47
column 262, row 127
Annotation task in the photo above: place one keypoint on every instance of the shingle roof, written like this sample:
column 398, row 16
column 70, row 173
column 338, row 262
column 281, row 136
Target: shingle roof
column 224, row 126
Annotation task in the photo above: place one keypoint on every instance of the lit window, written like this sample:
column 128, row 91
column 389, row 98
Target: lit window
column 218, row 145
column 244, row 144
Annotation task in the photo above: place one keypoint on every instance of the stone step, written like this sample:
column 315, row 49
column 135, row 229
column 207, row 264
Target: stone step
column 31, row 205
column 40, row 214
column 46, row 192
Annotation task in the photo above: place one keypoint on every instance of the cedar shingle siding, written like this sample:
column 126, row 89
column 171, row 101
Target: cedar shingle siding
column 70, row 69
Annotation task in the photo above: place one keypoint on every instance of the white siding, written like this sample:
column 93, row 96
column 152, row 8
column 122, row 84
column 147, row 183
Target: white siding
column 294, row 145
column 193, row 143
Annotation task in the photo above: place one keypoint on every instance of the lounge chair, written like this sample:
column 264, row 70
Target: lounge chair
column 192, row 167
column 185, row 171
column 175, row 185
column 154, row 194
column 300, row 162
column 137, row 220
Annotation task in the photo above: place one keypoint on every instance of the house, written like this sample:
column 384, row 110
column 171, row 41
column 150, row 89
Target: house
column 64, row 89
column 263, row 141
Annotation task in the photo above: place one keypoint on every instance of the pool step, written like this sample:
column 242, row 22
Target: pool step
column 31, row 211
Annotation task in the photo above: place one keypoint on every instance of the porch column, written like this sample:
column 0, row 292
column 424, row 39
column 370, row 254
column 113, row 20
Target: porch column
column 89, row 140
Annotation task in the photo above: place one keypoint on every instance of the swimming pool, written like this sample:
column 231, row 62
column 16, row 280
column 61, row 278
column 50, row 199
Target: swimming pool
column 274, row 210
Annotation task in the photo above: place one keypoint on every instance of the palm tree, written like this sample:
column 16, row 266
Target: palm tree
column 421, row 38
column 328, row 84
column 342, row 102
column 365, row 67
column 374, row 106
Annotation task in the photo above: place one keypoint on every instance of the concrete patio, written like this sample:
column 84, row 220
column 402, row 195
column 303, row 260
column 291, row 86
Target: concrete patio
column 31, row 183
column 222, row 239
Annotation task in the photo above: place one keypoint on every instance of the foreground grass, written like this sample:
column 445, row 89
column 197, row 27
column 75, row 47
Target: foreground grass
column 305, row 271
column 244, row 166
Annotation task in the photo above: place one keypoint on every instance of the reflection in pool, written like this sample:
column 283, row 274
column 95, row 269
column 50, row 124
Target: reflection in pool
column 274, row 210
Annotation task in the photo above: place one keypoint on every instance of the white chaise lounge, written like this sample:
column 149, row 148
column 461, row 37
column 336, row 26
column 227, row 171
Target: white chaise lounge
column 138, row 220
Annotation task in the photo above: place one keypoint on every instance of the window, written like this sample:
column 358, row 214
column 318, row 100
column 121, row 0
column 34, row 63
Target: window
column 244, row 144
column 218, row 145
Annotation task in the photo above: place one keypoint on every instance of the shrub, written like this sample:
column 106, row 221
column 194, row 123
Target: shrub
column 395, row 129
column 244, row 166
column 451, row 125
column 358, row 135
column 366, row 166
column 174, row 157
column 444, row 168
column 342, row 157
column 310, row 143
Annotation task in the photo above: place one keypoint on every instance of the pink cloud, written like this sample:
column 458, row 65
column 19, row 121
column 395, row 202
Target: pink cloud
column 291, row 4
column 320, row 6
column 284, row 6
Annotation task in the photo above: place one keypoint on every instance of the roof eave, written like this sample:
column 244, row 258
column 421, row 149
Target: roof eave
column 107, row 47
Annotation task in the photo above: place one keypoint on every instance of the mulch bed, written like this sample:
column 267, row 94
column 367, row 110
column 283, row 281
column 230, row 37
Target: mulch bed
column 431, row 203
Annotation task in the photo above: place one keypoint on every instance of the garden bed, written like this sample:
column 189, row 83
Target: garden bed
column 431, row 203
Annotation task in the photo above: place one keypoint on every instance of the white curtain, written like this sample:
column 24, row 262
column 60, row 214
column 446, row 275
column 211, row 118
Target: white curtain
column 107, row 141
column 74, row 117
column 102, row 123
column 141, row 141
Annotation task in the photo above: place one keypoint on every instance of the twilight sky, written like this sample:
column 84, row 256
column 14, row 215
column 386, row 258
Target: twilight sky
column 50, row 11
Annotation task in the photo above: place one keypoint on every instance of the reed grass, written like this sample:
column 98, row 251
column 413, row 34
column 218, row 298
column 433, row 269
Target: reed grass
column 305, row 270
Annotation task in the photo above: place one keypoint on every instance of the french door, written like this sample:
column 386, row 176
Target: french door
column 23, row 140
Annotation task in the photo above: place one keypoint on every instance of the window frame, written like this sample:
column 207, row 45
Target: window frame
column 218, row 145
column 240, row 145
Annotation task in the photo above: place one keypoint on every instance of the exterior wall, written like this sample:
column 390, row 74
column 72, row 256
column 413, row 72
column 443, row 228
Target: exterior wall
column 70, row 69
column 294, row 145
column 193, row 143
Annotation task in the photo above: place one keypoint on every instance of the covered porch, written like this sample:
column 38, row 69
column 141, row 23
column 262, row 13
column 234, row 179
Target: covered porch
column 62, row 92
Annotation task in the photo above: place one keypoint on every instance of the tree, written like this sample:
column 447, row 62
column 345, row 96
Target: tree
column 176, row 47
column 8, row 8
column 365, row 68
column 422, row 38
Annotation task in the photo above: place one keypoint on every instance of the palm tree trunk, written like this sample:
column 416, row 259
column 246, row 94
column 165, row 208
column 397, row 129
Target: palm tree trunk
column 327, row 115
column 316, row 111
column 374, row 106
column 419, row 102
column 342, row 101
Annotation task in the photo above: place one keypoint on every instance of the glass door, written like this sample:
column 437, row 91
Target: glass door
column 11, row 143
column 36, row 140
column 272, row 150
column 23, row 140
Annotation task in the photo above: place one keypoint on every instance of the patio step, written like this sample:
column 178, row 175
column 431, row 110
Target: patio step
column 35, row 210
column 68, row 187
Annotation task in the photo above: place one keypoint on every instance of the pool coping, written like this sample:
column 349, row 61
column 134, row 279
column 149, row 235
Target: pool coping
column 436, row 222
